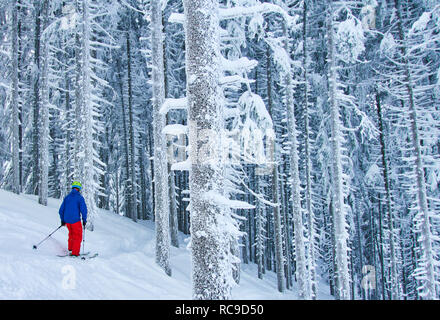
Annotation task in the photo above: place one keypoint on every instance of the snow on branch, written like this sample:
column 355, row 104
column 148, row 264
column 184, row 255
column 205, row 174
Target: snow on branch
column 182, row 166
column 176, row 18
column 173, row 104
column 229, row 80
column 5, row 85
column 239, row 11
column 102, row 44
column 219, row 199
column 6, row 53
column 238, row 64
column 175, row 129
column 236, row 12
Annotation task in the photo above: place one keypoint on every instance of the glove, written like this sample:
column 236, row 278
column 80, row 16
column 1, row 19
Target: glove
column 84, row 223
column 63, row 223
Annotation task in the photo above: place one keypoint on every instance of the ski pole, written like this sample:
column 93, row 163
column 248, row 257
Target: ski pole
column 84, row 237
column 36, row 245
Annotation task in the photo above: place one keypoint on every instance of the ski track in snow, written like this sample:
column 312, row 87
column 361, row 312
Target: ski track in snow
column 124, row 269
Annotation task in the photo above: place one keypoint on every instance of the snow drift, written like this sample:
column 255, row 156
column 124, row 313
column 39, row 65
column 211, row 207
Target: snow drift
column 124, row 269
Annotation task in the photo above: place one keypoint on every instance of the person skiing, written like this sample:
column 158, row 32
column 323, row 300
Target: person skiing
column 72, row 207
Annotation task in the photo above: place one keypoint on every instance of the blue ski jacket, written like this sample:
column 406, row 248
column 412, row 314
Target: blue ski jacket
column 73, row 205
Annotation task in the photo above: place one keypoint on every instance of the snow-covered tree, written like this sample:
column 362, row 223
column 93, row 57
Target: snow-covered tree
column 302, row 136
column 43, row 129
column 210, row 246
column 89, row 39
column 162, row 207
column 407, row 49
column 14, row 99
column 345, row 43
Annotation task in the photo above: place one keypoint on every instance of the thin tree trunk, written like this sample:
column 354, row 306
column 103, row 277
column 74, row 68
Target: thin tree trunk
column 339, row 210
column 68, row 138
column 132, row 142
column 36, row 109
column 275, row 187
column 300, row 250
column 429, row 282
column 359, row 241
column 14, row 102
column 162, row 209
column 173, row 208
column 144, row 188
column 126, row 176
column 394, row 277
column 381, row 252
column 20, row 103
column 151, row 162
column 171, row 173
column 286, row 231
column 259, row 237
column 43, row 127
column 308, row 164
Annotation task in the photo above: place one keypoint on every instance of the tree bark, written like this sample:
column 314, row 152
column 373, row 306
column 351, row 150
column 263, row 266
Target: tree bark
column 43, row 128
column 394, row 277
column 14, row 102
column 210, row 242
column 339, row 210
column 162, row 208
column 36, row 107
column 132, row 142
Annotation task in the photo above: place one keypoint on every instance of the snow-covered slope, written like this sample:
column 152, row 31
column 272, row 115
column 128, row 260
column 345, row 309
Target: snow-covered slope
column 124, row 269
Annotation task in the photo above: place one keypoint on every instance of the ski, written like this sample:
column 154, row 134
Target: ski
column 68, row 255
column 89, row 257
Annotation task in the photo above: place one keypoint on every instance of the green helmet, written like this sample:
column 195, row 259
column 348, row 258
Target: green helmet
column 77, row 184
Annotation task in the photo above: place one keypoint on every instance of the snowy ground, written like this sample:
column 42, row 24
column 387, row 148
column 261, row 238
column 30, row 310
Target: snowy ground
column 124, row 269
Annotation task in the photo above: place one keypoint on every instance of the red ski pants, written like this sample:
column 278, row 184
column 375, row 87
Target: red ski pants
column 75, row 237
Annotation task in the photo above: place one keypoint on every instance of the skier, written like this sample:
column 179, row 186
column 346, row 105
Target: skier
column 73, row 205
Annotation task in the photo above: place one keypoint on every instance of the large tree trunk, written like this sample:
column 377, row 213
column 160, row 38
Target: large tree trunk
column 210, row 242
column 84, row 149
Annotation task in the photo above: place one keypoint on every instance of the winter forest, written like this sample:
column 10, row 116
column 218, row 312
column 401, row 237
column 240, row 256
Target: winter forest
column 301, row 136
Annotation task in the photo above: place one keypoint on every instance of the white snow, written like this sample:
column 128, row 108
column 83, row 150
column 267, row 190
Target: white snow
column 350, row 40
column 170, row 103
column 175, row 129
column 421, row 23
column 124, row 269
column 238, row 65
column 239, row 11
column 221, row 200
